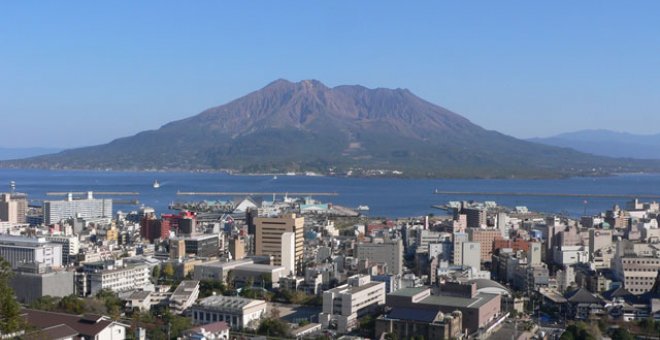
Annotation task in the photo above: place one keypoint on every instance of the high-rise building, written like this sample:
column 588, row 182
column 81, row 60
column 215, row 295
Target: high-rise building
column 154, row 229
column 237, row 248
column 289, row 252
column 268, row 237
column 13, row 208
column 177, row 249
column 390, row 253
column 476, row 217
column 486, row 237
column 70, row 246
column 90, row 207
column 18, row 250
column 471, row 255
column 458, row 239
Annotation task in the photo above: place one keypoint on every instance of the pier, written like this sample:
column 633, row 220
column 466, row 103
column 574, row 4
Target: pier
column 187, row 193
column 545, row 194
column 102, row 193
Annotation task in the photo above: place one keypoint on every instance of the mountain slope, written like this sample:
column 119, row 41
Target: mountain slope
column 607, row 143
column 304, row 126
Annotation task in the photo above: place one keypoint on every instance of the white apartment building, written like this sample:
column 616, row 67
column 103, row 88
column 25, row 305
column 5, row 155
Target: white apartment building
column 112, row 275
column 236, row 311
column 346, row 303
column 569, row 255
column 19, row 249
column 56, row 211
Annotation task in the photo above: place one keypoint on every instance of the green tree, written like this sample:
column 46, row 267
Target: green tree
column 622, row 334
column 274, row 327
column 155, row 273
column 10, row 311
column 168, row 271
column 45, row 303
column 72, row 304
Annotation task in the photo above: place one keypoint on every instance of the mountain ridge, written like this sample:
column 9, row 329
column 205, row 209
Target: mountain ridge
column 347, row 129
column 607, row 143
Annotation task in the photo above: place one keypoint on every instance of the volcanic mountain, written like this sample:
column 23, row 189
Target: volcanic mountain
column 307, row 126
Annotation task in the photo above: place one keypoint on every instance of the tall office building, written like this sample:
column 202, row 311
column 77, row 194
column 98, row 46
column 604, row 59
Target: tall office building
column 471, row 255
column 486, row 238
column 289, row 252
column 13, row 208
column 18, row 250
column 476, row 217
column 268, row 237
column 89, row 207
column 390, row 253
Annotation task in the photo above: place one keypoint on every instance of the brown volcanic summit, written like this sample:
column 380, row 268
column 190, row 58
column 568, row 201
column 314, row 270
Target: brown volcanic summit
column 288, row 126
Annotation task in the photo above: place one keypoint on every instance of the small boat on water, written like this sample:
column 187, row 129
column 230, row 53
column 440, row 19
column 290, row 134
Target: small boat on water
column 362, row 208
column 275, row 177
column 156, row 184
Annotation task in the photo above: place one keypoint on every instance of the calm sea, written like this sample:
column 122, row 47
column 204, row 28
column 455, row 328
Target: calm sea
column 385, row 197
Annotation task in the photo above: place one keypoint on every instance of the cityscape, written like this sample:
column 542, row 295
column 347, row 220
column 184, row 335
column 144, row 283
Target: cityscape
column 329, row 170
column 296, row 267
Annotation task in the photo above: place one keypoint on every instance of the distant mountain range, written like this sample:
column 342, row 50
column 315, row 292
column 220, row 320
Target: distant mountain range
column 607, row 143
column 307, row 126
column 17, row 153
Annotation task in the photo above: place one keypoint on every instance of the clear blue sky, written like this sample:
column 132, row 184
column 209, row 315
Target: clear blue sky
column 79, row 73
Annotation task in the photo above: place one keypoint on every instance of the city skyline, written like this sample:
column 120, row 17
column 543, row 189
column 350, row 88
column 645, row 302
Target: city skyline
column 522, row 69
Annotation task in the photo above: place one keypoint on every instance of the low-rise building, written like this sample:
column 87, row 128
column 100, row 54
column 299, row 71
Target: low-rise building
column 113, row 275
column 236, row 311
column 346, row 303
column 184, row 296
column 478, row 309
column 430, row 324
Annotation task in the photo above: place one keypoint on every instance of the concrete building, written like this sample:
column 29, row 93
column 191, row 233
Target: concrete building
column 242, row 272
column 409, row 323
column 237, row 248
column 177, row 249
column 184, row 296
column 476, row 217
column 212, row 331
column 471, row 255
column 346, row 303
column 288, row 257
column 56, row 211
column 268, row 237
column 485, row 237
column 570, row 255
column 206, row 245
column 637, row 273
column 458, row 239
column 236, row 311
column 153, row 229
column 534, row 254
column 18, row 249
column 31, row 282
column 113, row 275
column 13, row 208
column 478, row 309
column 70, row 247
column 389, row 253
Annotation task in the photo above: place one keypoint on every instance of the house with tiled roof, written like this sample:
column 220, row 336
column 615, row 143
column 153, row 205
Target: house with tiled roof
column 62, row 326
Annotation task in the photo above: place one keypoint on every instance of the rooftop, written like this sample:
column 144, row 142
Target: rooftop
column 409, row 292
column 185, row 288
column 229, row 302
column 459, row 302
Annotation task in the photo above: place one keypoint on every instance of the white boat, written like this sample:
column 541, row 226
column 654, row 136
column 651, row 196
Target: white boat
column 274, row 177
column 156, row 184
column 363, row 208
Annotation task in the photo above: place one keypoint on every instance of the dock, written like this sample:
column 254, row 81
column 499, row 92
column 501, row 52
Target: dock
column 102, row 193
column 228, row 193
column 545, row 194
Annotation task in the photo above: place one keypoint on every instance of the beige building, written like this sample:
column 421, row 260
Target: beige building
column 237, row 248
column 177, row 249
column 13, row 208
column 485, row 237
column 268, row 237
